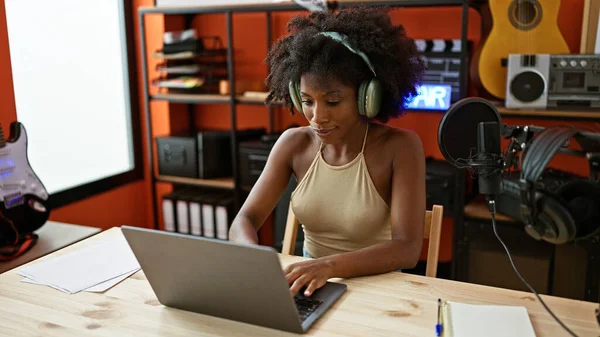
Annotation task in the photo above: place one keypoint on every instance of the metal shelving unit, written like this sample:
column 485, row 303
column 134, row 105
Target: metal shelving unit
column 220, row 182
column 192, row 98
column 232, row 99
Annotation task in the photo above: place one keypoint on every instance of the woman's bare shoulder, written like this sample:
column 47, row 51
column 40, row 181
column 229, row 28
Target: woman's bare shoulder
column 294, row 142
column 297, row 138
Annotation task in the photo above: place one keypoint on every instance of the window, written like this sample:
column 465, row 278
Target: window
column 75, row 88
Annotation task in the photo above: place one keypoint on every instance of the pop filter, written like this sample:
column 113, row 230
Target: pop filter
column 469, row 136
column 457, row 132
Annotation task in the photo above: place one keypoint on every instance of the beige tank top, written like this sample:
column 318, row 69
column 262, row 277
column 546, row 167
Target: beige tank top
column 339, row 207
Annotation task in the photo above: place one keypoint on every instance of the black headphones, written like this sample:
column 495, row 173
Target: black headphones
column 573, row 211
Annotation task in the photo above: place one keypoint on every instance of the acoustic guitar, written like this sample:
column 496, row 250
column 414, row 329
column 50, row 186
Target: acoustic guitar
column 519, row 27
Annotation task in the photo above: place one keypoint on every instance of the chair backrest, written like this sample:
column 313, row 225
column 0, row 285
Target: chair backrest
column 432, row 230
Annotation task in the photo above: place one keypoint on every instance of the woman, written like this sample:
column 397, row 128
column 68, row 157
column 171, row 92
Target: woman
column 361, row 185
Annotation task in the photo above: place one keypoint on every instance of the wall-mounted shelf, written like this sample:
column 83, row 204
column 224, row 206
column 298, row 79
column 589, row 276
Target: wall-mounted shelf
column 209, row 99
column 557, row 115
column 291, row 6
column 569, row 114
column 220, row 182
column 255, row 101
column 192, row 98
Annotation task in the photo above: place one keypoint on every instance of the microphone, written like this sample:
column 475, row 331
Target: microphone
column 489, row 159
column 469, row 137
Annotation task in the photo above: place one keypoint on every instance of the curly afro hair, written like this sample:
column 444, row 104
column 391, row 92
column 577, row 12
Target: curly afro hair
column 394, row 56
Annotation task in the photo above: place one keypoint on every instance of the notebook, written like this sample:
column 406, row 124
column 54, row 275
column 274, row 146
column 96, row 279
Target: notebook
column 472, row 320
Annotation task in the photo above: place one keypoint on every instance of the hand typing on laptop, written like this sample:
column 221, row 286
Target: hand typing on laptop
column 311, row 274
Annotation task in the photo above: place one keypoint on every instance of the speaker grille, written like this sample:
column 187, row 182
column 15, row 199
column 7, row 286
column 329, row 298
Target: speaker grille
column 527, row 86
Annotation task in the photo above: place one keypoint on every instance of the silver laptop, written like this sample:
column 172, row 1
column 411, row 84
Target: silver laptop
column 235, row 281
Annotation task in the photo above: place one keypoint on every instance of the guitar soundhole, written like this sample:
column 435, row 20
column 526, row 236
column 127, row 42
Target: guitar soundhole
column 525, row 14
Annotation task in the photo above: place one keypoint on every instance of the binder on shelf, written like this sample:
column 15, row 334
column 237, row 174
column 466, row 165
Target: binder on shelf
column 208, row 215
column 208, row 223
column 195, row 213
column 199, row 211
column 223, row 216
column 174, row 205
column 215, row 209
column 168, row 208
column 183, row 220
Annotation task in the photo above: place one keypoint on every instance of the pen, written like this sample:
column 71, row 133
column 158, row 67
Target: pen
column 438, row 326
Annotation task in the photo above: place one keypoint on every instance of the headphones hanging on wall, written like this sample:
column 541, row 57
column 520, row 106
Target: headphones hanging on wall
column 369, row 92
column 573, row 211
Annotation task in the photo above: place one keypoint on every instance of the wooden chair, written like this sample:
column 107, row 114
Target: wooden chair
column 432, row 231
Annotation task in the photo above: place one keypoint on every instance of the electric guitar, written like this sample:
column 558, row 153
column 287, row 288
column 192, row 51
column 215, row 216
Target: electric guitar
column 519, row 27
column 23, row 197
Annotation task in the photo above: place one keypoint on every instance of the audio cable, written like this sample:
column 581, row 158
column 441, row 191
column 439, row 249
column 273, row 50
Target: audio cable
column 492, row 208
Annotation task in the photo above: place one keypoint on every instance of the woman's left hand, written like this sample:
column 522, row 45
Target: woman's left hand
column 312, row 273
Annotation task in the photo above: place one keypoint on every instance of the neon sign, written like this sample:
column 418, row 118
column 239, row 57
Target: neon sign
column 432, row 97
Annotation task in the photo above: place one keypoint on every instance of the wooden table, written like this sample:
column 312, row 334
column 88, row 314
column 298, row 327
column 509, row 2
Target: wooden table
column 52, row 236
column 393, row 304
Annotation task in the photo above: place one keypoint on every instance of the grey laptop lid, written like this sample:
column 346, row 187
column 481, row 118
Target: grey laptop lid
column 224, row 279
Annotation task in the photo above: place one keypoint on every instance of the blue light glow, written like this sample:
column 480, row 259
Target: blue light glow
column 432, row 97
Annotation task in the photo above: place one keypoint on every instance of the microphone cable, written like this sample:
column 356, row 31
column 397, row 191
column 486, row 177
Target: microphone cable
column 492, row 208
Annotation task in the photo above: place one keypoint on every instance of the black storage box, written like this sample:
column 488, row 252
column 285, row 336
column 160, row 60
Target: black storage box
column 206, row 155
column 177, row 156
column 214, row 154
column 253, row 158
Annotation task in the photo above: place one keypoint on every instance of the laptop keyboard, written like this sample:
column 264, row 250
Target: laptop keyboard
column 306, row 306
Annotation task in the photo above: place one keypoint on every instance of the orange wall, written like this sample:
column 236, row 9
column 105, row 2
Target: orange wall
column 7, row 97
column 130, row 204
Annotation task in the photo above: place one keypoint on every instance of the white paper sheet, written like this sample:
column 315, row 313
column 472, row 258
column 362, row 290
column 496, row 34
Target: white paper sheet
column 597, row 50
column 102, row 287
column 28, row 280
column 92, row 267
